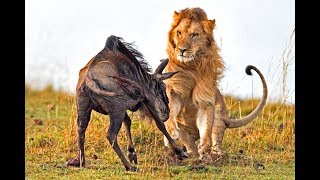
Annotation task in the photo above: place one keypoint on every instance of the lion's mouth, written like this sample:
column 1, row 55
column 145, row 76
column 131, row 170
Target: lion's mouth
column 185, row 58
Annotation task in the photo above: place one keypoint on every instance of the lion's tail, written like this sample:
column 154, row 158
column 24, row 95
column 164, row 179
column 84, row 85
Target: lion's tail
column 234, row 123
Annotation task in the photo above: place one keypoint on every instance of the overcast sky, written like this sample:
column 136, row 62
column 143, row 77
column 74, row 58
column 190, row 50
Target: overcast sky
column 63, row 35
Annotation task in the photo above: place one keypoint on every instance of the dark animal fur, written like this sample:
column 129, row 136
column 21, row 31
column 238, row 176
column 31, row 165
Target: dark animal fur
column 117, row 79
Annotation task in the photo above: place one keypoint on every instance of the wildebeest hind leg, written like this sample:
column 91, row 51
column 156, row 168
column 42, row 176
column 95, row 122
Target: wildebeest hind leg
column 84, row 108
column 131, row 152
column 113, row 130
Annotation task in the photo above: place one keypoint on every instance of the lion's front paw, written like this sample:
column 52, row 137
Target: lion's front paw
column 204, row 151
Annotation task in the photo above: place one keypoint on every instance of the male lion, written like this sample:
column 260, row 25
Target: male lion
column 197, row 108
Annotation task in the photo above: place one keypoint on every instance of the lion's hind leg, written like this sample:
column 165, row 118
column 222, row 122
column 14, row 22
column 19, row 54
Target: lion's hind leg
column 217, row 137
column 218, row 130
column 219, row 125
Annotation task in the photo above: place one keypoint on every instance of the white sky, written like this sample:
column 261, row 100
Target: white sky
column 63, row 35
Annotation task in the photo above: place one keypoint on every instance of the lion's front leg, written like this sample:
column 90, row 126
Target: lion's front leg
column 188, row 140
column 173, row 130
column 172, row 124
column 205, row 118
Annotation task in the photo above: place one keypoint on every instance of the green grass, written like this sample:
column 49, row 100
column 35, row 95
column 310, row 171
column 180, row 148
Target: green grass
column 268, row 140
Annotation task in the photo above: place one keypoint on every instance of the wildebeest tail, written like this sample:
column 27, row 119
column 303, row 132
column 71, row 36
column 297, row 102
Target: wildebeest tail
column 95, row 88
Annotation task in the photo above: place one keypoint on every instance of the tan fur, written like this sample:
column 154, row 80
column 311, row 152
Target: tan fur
column 197, row 108
column 82, row 74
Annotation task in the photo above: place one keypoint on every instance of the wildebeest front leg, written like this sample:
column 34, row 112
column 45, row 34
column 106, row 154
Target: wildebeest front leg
column 84, row 108
column 113, row 130
column 131, row 152
column 178, row 150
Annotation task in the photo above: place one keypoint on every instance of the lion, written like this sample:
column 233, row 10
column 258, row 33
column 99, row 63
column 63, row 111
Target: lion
column 197, row 108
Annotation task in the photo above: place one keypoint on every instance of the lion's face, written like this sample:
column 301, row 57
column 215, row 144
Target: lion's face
column 191, row 39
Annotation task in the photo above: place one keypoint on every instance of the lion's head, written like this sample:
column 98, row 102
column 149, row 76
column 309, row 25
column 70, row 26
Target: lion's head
column 193, row 52
column 191, row 35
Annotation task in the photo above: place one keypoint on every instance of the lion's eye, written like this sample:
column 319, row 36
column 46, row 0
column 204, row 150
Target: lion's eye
column 194, row 35
column 179, row 32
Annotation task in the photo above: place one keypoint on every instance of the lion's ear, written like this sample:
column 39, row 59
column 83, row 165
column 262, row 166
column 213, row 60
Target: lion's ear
column 212, row 24
column 175, row 14
column 209, row 25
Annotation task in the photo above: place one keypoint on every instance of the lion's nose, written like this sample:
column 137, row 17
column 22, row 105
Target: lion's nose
column 182, row 50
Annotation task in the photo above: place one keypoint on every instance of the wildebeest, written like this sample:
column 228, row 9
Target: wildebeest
column 118, row 79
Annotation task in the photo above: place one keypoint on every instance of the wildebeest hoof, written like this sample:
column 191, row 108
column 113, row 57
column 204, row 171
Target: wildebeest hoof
column 133, row 157
column 133, row 169
column 75, row 162
column 182, row 155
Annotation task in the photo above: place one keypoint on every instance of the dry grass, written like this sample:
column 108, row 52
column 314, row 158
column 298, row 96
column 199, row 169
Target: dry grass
column 263, row 149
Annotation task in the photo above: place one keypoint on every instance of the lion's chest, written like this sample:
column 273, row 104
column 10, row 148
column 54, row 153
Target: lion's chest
column 181, row 85
column 193, row 87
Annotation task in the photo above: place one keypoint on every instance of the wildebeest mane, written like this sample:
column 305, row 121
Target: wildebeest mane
column 116, row 44
column 123, row 51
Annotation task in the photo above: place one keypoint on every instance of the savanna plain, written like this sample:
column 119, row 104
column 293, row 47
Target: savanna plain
column 262, row 149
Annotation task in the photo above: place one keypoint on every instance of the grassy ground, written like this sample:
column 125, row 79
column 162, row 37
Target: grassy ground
column 263, row 149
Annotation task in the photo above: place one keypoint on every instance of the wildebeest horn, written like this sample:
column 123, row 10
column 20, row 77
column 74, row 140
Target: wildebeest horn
column 163, row 76
column 163, row 64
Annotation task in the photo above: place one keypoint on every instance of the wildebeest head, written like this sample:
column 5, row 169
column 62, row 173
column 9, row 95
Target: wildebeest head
column 157, row 93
